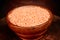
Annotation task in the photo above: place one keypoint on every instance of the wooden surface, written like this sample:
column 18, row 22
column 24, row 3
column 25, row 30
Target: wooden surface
column 53, row 32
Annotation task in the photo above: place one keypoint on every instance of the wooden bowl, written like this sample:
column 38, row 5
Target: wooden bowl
column 30, row 33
